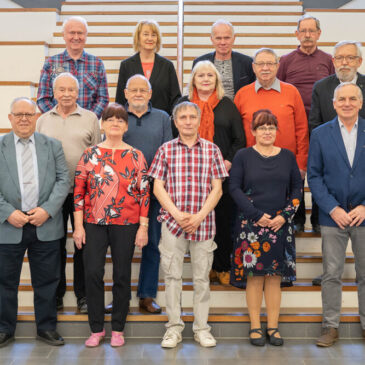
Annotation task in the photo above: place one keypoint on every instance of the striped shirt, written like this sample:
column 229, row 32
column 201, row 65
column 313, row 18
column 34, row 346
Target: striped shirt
column 89, row 71
column 188, row 173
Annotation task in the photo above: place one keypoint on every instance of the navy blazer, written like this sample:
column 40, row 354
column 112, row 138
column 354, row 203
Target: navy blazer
column 332, row 180
column 242, row 68
column 54, row 185
column 164, row 82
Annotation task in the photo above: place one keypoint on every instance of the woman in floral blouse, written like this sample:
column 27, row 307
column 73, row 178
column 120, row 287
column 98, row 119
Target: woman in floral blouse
column 111, row 198
column 265, row 184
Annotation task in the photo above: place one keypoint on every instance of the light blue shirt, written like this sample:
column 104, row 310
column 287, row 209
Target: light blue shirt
column 19, row 149
column 275, row 85
column 349, row 140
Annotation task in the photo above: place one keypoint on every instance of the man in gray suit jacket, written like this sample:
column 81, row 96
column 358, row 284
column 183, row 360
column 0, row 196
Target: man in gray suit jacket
column 34, row 183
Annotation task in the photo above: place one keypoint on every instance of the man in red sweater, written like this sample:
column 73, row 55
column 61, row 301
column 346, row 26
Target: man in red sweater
column 283, row 99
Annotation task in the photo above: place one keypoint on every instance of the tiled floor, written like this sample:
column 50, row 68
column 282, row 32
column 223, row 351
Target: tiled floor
column 148, row 352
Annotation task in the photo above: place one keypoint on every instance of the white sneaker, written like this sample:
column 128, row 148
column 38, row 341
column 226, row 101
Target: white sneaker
column 171, row 338
column 205, row 338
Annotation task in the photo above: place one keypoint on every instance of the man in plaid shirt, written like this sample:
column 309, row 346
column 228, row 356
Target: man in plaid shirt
column 88, row 69
column 188, row 173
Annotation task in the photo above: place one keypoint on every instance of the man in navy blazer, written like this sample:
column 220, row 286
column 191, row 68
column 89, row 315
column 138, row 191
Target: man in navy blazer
column 34, row 182
column 336, row 177
column 235, row 68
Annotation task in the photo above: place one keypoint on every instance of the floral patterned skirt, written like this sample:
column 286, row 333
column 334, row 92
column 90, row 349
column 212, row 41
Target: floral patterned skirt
column 260, row 251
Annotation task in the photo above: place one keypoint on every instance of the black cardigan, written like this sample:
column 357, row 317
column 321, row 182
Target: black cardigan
column 165, row 86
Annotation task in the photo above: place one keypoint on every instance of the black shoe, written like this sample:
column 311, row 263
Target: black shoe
column 275, row 341
column 59, row 303
column 82, row 305
column 5, row 339
column 109, row 308
column 260, row 341
column 50, row 337
column 317, row 281
column 298, row 227
column 316, row 228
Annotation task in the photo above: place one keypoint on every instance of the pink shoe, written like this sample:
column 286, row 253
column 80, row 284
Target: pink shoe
column 95, row 339
column 117, row 339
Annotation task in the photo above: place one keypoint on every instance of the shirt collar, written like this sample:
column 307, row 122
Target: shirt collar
column 17, row 138
column 77, row 111
column 197, row 142
column 68, row 57
column 343, row 126
column 149, row 108
column 275, row 85
column 298, row 50
column 353, row 81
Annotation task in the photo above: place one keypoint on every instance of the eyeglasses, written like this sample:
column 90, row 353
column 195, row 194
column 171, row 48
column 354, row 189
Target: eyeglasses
column 23, row 115
column 310, row 31
column 348, row 59
column 266, row 129
column 267, row 64
column 135, row 91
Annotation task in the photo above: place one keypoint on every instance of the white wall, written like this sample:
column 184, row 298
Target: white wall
column 354, row 4
column 8, row 4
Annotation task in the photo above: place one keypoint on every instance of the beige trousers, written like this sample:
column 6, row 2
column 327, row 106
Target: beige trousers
column 173, row 250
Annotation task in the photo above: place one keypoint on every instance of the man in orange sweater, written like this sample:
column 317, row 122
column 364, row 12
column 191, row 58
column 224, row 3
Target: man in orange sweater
column 283, row 99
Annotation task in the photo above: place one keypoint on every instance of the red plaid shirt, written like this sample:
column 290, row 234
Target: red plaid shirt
column 188, row 173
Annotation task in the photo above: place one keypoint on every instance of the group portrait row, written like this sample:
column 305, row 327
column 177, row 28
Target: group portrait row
column 217, row 172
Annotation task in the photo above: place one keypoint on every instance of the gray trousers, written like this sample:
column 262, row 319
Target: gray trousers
column 334, row 243
column 173, row 251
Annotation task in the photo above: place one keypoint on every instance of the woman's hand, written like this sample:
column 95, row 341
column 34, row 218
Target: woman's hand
column 79, row 237
column 276, row 223
column 141, row 237
column 264, row 221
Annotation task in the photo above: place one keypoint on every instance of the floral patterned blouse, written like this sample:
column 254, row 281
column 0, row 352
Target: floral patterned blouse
column 112, row 188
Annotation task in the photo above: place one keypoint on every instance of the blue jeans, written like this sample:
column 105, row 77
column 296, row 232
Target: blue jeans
column 148, row 274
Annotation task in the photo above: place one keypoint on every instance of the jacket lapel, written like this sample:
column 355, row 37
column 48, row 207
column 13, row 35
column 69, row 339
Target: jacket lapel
column 9, row 154
column 155, row 70
column 360, row 141
column 42, row 159
column 337, row 136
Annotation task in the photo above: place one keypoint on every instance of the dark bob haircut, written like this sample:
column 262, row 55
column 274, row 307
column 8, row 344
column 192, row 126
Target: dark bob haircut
column 115, row 110
column 263, row 117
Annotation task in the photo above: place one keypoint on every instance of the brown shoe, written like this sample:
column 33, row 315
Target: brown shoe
column 149, row 305
column 213, row 276
column 328, row 337
column 223, row 277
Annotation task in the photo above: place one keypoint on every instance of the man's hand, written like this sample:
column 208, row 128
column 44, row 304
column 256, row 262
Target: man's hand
column 18, row 219
column 141, row 237
column 193, row 223
column 264, row 220
column 276, row 223
column 341, row 218
column 79, row 236
column 227, row 165
column 182, row 219
column 37, row 216
column 357, row 215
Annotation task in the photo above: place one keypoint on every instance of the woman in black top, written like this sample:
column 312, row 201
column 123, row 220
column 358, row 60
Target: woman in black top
column 159, row 71
column 265, row 184
column 221, row 124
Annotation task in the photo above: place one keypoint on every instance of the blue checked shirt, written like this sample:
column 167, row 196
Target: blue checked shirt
column 89, row 71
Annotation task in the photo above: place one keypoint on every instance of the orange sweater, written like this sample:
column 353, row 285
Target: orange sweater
column 288, row 108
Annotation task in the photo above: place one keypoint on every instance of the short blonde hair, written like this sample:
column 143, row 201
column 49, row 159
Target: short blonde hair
column 155, row 28
column 218, row 80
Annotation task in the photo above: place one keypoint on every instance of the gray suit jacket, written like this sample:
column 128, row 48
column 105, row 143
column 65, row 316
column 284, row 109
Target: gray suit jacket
column 54, row 185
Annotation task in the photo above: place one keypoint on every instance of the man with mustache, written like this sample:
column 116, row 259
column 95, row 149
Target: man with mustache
column 302, row 68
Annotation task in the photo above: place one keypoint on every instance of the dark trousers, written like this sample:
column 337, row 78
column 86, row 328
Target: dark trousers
column 78, row 265
column 44, row 261
column 121, row 240
column 299, row 217
column 223, row 237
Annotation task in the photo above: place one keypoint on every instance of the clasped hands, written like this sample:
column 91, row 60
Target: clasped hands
column 36, row 216
column 275, row 223
column 188, row 222
column 353, row 218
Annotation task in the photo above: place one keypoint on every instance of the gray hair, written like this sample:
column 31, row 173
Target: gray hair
column 345, row 43
column 65, row 74
column 184, row 105
column 78, row 19
column 307, row 16
column 23, row 98
column 265, row 50
column 222, row 21
column 340, row 86
column 138, row 76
